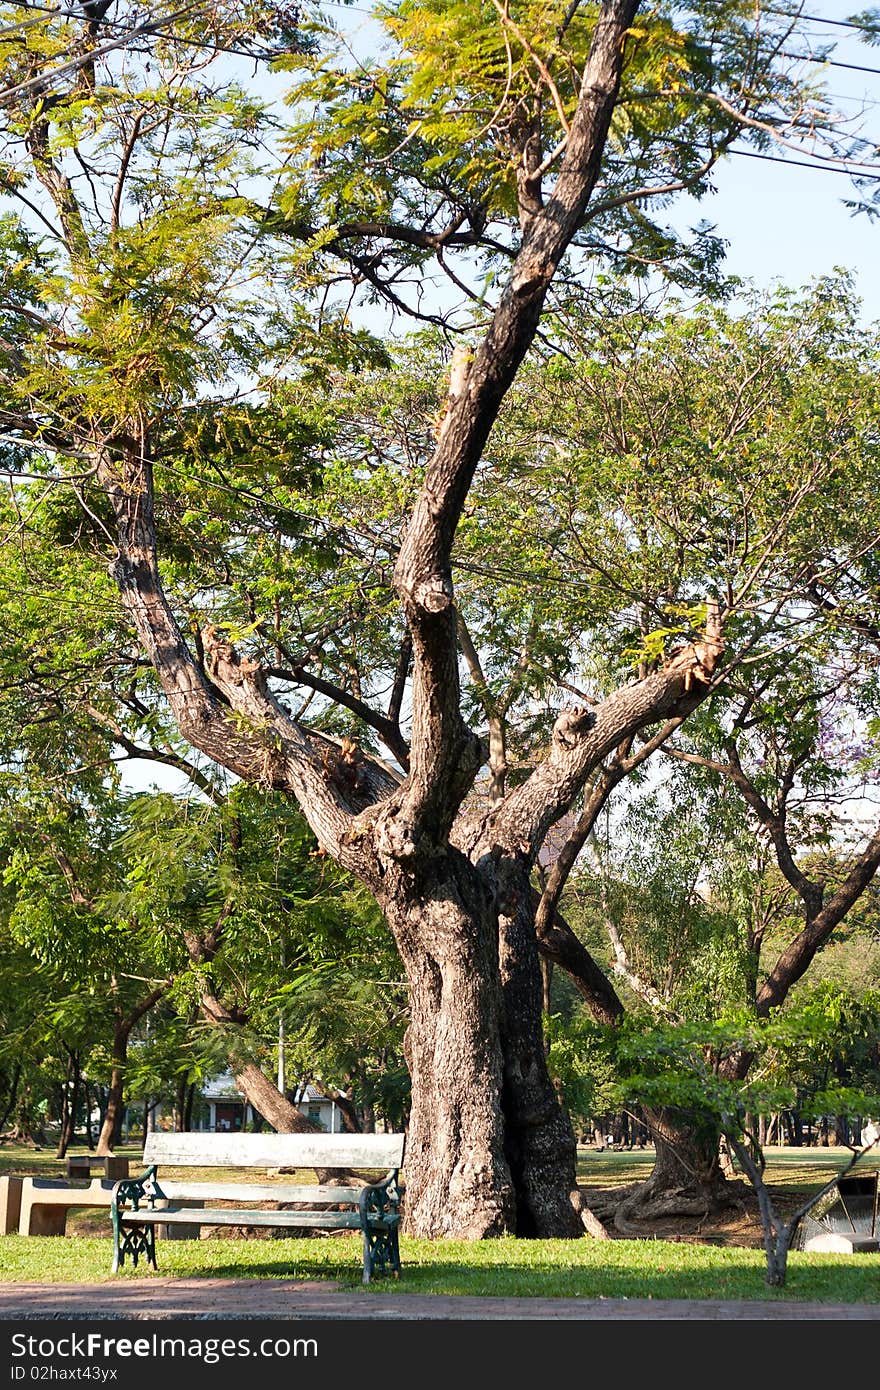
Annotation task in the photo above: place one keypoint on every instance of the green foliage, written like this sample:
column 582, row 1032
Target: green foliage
column 581, row 1062
column 438, row 130
column 686, row 1066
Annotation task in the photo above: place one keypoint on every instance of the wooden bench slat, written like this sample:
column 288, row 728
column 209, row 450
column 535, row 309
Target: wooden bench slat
column 253, row 1192
column 214, row 1216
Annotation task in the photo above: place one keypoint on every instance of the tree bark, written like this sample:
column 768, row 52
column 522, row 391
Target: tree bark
column 70, row 1101
column 111, row 1123
column 261, row 1094
column 539, row 1141
column 687, row 1153
column 11, row 1097
column 458, row 1179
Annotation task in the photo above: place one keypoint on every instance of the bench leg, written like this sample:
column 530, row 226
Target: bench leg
column 10, row 1204
column 42, row 1220
column 134, row 1241
column 381, row 1251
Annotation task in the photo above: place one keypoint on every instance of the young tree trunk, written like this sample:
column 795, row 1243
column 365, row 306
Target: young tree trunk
column 111, row 1121
column 180, row 1105
column 111, row 1125
column 261, row 1094
column 264, row 1097
column 11, row 1097
column 87, row 1101
column 69, row 1104
column 188, row 1106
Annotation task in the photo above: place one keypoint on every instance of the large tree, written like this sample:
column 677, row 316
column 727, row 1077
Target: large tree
column 506, row 145
column 667, row 455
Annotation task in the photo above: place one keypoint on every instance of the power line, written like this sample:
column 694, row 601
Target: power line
column 129, row 31
column 821, row 19
column 44, row 18
column 805, row 164
column 827, row 62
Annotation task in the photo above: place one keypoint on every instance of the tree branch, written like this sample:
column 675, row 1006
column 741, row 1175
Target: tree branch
column 445, row 754
column 609, row 778
column 582, row 738
column 231, row 717
column 796, row 958
column 559, row 944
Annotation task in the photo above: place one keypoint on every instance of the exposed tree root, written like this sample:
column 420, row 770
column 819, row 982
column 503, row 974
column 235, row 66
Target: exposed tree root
column 591, row 1223
column 628, row 1209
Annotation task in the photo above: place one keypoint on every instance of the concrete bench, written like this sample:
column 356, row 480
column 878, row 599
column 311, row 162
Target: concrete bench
column 10, row 1204
column 141, row 1204
column 44, row 1204
column 81, row 1166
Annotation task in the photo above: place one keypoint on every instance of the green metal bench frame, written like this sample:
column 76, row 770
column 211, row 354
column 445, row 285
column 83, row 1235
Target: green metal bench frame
column 374, row 1208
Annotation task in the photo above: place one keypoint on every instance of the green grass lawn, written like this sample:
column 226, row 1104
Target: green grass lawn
column 544, row 1268
column 498, row 1268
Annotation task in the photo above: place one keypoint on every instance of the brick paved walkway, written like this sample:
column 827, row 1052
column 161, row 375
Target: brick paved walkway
column 237, row 1299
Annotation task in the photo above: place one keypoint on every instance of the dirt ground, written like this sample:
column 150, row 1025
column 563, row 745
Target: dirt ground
column 737, row 1225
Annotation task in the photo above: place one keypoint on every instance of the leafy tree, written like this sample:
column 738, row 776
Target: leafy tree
column 270, row 931
column 106, row 970
column 511, row 145
column 686, row 1070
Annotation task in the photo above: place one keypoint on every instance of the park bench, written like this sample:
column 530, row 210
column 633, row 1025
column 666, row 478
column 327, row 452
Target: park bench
column 43, row 1205
column 82, row 1166
column 141, row 1204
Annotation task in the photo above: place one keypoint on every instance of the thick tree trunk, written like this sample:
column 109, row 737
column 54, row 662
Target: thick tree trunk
column 688, row 1158
column 687, row 1178
column 474, row 1043
column 538, row 1138
column 458, row 1182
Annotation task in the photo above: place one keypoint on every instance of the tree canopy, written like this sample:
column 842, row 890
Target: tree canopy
column 369, row 578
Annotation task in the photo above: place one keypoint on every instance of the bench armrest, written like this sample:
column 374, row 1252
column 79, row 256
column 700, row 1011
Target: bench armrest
column 381, row 1198
column 132, row 1192
column 379, row 1211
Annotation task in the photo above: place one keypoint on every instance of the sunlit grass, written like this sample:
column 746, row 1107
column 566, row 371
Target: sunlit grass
column 496, row 1268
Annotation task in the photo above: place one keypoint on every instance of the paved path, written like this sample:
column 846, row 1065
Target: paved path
column 206, row 1299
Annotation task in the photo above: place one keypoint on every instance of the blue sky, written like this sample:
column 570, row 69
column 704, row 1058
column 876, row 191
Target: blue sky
column 789, row 224
column 782, row 223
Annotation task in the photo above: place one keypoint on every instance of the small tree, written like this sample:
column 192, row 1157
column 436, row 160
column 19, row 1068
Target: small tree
column 685, row 1067
column 778, row 1233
